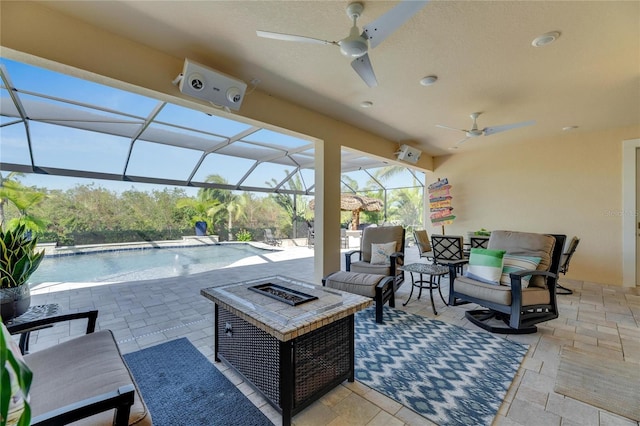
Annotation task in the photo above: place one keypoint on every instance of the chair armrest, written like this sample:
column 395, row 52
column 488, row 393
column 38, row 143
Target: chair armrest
column 92, row 317
column 25, row 328
column 347, row 258
column 121, row 400
column 395, row 259
column 516, row 284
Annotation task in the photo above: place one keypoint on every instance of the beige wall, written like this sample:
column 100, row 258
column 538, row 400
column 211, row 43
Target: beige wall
column 571, row 184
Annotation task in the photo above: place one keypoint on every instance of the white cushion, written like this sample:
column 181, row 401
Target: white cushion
column 380, row 253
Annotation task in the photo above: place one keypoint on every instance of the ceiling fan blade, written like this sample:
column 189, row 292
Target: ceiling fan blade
column 291, row 37
column 385, row 25
column 450, row 128
column 495, row 129
column 463, row 141
column 362, row 66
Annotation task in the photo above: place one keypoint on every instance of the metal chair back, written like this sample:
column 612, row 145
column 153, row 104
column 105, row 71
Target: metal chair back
column 446, row 248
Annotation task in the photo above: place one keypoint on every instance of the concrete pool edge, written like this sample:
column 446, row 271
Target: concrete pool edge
column 52, row 250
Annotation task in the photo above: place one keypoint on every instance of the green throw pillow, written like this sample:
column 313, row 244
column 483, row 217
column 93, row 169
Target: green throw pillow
column 485, row 265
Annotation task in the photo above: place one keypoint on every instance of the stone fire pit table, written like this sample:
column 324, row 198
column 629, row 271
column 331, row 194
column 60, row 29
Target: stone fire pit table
column 292, row 351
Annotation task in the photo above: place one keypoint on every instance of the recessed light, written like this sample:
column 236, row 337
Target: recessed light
column 569, row 128
column 366, row 104
column 545, row 39
column 429, row 80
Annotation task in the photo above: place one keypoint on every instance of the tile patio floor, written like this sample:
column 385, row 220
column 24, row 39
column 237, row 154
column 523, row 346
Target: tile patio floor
column 603, row 320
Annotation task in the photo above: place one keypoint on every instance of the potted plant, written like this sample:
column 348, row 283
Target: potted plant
column 18, row 260
column 16, row 378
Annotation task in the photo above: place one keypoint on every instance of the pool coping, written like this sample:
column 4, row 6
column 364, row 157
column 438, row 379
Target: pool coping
column 52, row 250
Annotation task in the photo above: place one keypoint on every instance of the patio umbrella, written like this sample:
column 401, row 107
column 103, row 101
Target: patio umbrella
column 356, row 204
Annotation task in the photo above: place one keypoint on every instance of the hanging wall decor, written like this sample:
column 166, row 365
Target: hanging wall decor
column 440, row 203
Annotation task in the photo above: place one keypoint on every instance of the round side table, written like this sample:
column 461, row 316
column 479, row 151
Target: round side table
column 431, row 284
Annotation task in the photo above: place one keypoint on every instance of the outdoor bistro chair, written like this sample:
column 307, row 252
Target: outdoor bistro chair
column 564, row 264
column 423, row 244
column 525, row 293
column 448, row 249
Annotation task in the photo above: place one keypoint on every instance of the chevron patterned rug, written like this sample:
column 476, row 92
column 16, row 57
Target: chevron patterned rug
column 448, row 374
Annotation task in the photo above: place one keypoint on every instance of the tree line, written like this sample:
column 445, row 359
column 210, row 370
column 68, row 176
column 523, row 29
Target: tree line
column 92, row 214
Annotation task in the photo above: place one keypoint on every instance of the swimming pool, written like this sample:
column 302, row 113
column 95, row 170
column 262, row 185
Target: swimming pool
column 141, row 264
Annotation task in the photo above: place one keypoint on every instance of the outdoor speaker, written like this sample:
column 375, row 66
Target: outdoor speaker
column 409, row 154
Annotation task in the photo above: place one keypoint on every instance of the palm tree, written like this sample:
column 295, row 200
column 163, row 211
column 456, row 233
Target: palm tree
column 291, row 203
column 232, row 203
column 24, row 199
column 6, row 193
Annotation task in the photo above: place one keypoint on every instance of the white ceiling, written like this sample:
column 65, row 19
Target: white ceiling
column 480, row 50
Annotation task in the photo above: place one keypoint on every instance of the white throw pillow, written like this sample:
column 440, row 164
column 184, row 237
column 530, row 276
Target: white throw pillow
column 380, row 253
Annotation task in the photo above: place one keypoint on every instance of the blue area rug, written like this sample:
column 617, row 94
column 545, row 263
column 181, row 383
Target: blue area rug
column 182, row 388
column 449, row 375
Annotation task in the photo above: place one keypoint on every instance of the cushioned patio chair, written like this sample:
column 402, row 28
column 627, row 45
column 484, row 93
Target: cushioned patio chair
column 526, row 291
column 83, row 380
column 424, row 245
column 381, row 252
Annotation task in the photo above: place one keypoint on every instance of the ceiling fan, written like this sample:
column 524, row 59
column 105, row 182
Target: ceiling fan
column 487, row 131
column 356, row 44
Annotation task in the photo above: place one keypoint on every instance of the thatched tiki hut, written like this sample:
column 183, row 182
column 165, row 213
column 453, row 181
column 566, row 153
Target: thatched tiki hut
column 356, row 204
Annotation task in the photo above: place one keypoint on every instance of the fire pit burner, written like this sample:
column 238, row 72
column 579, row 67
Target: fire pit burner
column 283, row 294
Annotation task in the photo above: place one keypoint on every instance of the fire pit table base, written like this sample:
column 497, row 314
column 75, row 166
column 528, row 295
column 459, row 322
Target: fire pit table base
column 290, row 374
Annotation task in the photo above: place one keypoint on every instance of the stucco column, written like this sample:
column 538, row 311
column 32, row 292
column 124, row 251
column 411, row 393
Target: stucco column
column 327, row 209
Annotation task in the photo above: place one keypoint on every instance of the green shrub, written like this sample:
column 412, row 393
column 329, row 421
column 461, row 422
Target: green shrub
column 243, row 235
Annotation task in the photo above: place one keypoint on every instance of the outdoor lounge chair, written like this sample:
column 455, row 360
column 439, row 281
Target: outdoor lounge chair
column 270, row 239
column 532, row 257
column 83, row 380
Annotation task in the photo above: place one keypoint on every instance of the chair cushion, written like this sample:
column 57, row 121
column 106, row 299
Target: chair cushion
column 500, row 294
column 368, row 268
column 380, row 253
column 513, row 263
column 526, row 244
column 357, row 283
column 86, row 366
column 485, row 265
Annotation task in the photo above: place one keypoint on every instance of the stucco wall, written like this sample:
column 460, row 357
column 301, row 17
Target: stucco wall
column 569, row 185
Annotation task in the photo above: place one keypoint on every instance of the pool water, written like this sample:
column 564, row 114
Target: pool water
column 140, row 264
